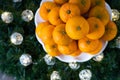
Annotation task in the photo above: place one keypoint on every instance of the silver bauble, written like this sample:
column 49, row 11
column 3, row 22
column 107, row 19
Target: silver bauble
column 55, row 76
column 49, row 60
column 7, row 17
column 27, row 15
column 25, row 59
column 16, row 38
column 74, row 65
column 115, row 14
column 118, row 42
column 17, row 1
column 99, row 57
column 85, row 74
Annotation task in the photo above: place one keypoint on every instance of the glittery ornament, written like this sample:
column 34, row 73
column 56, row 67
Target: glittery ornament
column 99, row 57
column 115, row 14
column 85, row 74
column 49, row 60
column 17, row 1
column 74, row 65
column 7, row 17
column 55, row 76
column 16, row 38
column 118, row 42
column 27, row 15
column 25, row 59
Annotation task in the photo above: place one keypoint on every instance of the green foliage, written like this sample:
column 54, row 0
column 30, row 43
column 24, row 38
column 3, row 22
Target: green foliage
column 107, row 69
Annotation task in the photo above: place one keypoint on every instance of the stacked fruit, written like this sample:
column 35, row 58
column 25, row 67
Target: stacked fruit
column 74, row 26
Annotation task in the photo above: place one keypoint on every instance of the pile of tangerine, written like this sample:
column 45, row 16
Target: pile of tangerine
column 71, row 27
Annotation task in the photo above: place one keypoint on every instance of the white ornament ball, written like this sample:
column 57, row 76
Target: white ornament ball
column 25, row 59
column 27, row 15
column 99, row 57
column 115, row 14
column 74, row 65
column 16, row 38
column 55, row 76
column 17, row 1
column 7, row 17
column 49, row 60
column 85, row 74
column 118, row 42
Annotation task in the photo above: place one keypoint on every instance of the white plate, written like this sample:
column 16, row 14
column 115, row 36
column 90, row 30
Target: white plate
column 83, row 57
